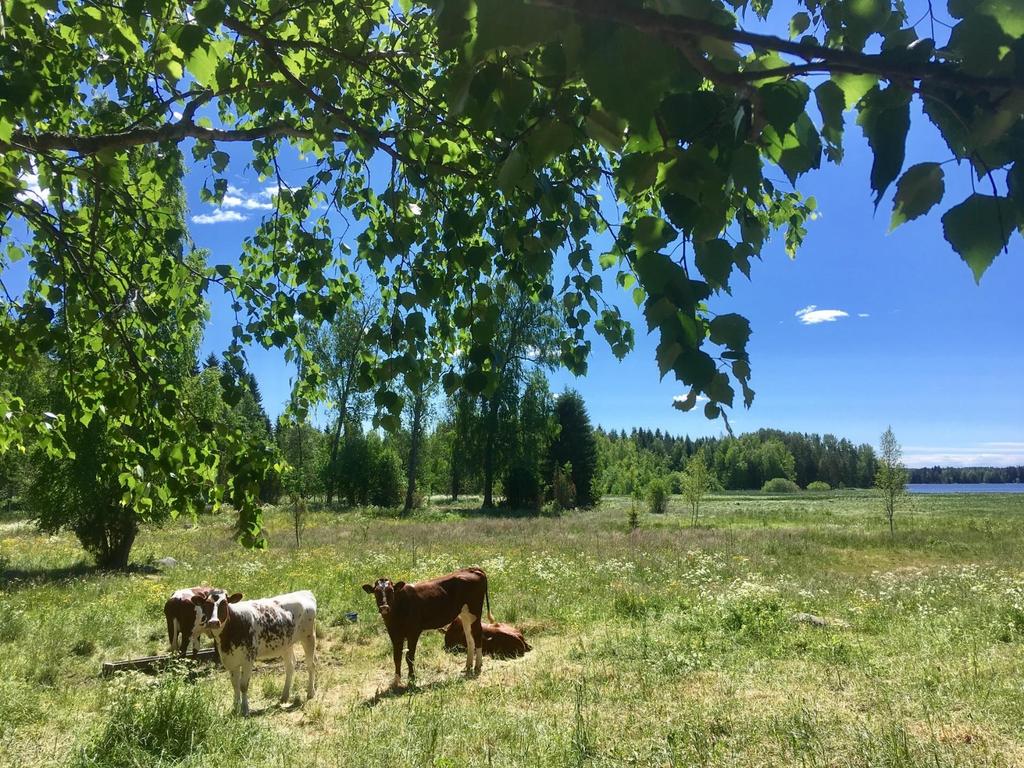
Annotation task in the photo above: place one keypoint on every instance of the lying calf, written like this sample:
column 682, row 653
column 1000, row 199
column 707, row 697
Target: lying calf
column 260, row 629
column 183, row 629
column 501, row 640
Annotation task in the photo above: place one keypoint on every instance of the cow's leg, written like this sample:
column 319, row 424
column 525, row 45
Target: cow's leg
column 289, row 670
column 396, row 652
column 195, row 639
column 236, row 677
column 243, row 685
column 468, row 622
column 309, row 646
column 478, row 641
column 410, row 656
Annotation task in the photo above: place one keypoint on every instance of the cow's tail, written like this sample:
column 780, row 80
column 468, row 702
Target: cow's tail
column 487, row 597
column 172, row 633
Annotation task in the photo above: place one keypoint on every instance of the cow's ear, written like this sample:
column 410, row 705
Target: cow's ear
column 235, row 597
column 399, row 585
column 367, row 589
column 198, row 599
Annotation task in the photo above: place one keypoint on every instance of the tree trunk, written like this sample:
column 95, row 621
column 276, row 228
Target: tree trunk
column 119, row 548
column 414, row 452
column 332, row 467
column 489, row 448
column 455, row 462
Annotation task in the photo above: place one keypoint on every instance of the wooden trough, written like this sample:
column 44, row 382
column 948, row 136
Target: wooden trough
column 152, row 664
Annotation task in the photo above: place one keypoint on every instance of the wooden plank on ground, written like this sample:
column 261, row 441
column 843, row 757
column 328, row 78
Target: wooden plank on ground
column 155, row 663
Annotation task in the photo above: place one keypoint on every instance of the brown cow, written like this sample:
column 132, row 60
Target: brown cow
column 501, row 640
column 182, row 628
column 409, row 609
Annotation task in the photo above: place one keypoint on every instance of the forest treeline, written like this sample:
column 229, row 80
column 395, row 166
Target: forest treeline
column 977, row 475
column 517, row 444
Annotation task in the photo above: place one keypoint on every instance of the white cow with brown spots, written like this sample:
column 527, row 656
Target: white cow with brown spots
column 261, row 629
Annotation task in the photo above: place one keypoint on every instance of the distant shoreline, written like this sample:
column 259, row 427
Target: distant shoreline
column 954, row 487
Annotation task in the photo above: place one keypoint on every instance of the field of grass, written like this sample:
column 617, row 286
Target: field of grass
column 667, row 646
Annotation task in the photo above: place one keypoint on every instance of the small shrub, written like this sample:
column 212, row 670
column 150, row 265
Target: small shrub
column 658, row 491
column 387, row 486
column 634, row 517
column 819, row 485
column 83, row 647
column 562, row 489
column 551, row 509
column 780, row 485
column 146, row 723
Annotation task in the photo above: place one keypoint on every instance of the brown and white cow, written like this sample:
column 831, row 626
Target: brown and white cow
column 183, row 628
column 261, row 629
column 501, row 640
column 409, row 609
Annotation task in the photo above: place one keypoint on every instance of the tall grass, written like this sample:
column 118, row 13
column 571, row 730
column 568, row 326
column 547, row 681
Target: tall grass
column 665, row 645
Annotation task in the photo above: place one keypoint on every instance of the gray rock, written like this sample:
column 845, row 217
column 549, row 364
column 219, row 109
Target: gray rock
column 167, row 562
column 819, row 621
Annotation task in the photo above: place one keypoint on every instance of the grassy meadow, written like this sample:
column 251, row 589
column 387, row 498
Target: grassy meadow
column 666, row 646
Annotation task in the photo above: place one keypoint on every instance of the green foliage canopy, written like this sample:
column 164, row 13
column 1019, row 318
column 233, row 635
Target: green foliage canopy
column 502, row 123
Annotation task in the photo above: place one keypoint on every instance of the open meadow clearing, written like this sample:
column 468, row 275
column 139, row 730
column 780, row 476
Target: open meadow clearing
column 665, row 646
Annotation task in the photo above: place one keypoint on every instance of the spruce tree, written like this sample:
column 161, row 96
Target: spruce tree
column 577, row 446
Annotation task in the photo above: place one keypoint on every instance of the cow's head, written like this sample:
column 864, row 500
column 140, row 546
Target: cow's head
column 384, row 592
column 212, row 610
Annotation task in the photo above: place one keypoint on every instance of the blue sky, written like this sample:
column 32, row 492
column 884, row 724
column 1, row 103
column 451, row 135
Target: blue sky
column 920, row 346
column 914, row 342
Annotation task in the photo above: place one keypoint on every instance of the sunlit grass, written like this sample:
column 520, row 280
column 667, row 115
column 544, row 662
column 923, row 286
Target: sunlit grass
column 669, row 645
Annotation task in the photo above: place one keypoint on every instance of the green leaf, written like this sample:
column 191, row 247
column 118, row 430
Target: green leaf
column 714, row 259
column 651, row 233
column 831, row 103
column 636, row 172
column 783, row 103
column 220, row 161
column 863, row 18
column 730, row 330
column 978, row 229
column 917, row 191
column 629, row 71
column 687, row 403
column 475, row 381
column 549, row 140
column 854, row 87
column 514, row 171
column 885, row 119
column 203, row 64
column 607, row 130
column 799, row 24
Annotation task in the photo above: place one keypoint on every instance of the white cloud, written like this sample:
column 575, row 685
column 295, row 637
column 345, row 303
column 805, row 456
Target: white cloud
column 682, row 399
column 811, row 315
column 863, row 314
column 177, row 115
column 32, row 189
column 218, row 216
column 236, row 198
column 995, row 454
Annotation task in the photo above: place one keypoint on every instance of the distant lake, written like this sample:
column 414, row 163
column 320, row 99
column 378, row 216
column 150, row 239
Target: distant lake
column 965, row 487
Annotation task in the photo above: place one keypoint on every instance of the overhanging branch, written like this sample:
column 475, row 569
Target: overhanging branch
column 172, row 132
column 669, row 28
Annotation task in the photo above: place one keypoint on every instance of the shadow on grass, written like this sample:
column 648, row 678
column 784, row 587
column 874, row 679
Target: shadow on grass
column 388, row 694
column 24, row 578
